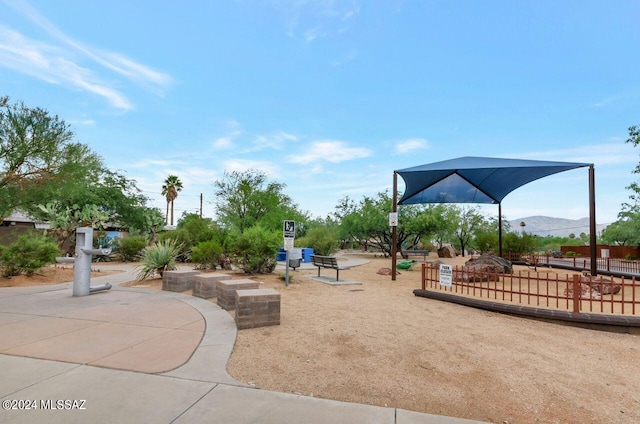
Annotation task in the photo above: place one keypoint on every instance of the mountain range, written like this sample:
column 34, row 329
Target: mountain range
column 547, row 226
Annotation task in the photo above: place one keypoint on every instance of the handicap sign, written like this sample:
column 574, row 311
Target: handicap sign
column 289, row 229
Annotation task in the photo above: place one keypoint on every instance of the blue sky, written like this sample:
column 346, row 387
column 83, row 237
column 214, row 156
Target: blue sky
column 329, row 97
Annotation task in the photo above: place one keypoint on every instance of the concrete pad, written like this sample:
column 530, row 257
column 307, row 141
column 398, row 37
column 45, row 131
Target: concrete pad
column 410, row 417
column 87, row 345
column 208, row 364
column 19, row 373
column 111, row 397
column 174, row 315
column 8, row 318
column 160, row 354
column 333, row 282
column 26, row 332
column 228, row 404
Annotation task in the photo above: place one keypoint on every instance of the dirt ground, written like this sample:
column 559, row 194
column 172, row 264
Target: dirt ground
column 49, row 275
column 378, row 344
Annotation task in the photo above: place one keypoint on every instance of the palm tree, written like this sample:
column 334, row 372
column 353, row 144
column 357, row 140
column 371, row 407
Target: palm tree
column 170, row 188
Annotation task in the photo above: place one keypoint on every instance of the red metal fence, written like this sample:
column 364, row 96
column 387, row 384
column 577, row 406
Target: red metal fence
column 549, row 290
column 614, row 265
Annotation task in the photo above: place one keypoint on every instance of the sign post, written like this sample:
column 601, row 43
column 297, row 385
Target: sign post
column 289, row 232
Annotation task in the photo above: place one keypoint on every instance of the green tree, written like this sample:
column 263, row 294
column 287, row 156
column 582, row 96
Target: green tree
column 469, row 220
column 170, row 188
column 368, row 222
column 245, row 199
column 625, row 231
column 35, row 148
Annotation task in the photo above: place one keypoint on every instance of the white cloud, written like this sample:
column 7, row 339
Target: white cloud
column 274, row 141
column 268, row 168
column 223, row 143
column 145, row 163
column 315, row 19
column 406, row 146
column 59, row 63
column 333, row 151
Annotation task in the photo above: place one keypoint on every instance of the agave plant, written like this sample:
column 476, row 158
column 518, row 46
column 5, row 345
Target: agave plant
column 159, row 257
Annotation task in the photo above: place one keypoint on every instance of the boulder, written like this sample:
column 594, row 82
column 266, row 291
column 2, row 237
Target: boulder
column 386, row 271
column 495, row 264
column 446, row 252
column 601, row 285
column 586, row 292
column 476, row 274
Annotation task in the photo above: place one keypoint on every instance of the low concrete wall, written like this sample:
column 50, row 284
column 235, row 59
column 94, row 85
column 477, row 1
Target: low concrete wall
column 178, row 281
column 227, row 291
column 206, row 285
column 257, row 308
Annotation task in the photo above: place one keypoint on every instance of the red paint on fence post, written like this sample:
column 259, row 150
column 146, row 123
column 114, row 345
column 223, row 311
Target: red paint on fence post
column 576, row 294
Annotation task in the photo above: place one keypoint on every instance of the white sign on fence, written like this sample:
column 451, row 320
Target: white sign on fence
column 446, row 275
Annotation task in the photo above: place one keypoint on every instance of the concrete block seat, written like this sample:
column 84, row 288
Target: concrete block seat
column 205, row 285
column 227, row 291
column 178, row 281
column 257, row 308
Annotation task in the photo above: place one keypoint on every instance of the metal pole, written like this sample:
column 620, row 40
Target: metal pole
column 394, row 231
column 286, row 269
column 592, row 221
column 500, row 229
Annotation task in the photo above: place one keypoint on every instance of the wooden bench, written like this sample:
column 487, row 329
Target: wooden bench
column 327, row 262
column 423, row 253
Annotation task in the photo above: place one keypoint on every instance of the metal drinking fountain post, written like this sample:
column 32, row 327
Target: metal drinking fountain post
column 82, row 263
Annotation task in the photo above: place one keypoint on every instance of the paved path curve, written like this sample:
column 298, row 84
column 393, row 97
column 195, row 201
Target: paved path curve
column 139, row 356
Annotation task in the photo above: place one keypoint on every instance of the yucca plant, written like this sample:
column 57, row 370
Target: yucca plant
column 159, row 257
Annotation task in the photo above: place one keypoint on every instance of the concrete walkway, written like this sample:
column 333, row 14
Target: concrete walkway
column 140, row 356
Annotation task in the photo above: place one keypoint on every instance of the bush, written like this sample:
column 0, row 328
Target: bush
column 129, row 248
column 322, row 240
column 159, row 257
column 254, row 250
column 26, row 255
column 207, row 254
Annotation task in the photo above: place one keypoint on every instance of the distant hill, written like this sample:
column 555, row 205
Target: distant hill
column 547, row 226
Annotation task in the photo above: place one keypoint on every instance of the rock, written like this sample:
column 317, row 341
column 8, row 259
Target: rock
column 386, row 271
column 477, row 274
column 586, row 292
column 601, row 285
column 495, row 264
column 446, row 252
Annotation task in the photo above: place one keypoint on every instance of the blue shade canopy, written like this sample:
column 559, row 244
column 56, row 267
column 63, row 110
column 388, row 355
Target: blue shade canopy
column 474, row 179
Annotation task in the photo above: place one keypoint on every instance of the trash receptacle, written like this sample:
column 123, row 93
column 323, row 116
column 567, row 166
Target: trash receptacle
column 306, row 254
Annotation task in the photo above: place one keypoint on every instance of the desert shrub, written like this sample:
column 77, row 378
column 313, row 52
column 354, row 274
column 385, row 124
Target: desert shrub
column 631, row 257
column 27, row 254
column 129, row 248
column 254, row 250
column 207, row 254
column 322, row 240
column 159, row 257
column 190, row 231
column 570, row 253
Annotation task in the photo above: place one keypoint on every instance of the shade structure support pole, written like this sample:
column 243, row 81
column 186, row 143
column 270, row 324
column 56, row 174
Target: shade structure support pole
column 394, row 229
column 500, row 229
column 592, row 221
